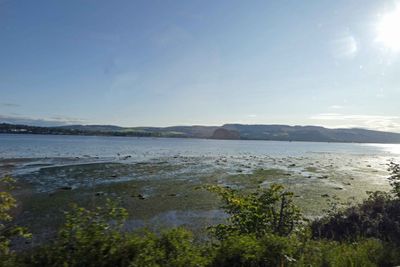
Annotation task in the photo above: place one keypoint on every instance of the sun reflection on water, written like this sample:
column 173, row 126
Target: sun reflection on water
column 390, row 148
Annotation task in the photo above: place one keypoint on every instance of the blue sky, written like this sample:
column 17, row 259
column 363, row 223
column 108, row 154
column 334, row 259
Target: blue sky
column 159, row 63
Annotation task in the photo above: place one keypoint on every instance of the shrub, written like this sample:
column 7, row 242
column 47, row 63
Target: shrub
column 368, row 252
column 96, row 238
column 265, row 228
column 377, row 217
column 88, row 238
column 173, row 248
column 7, row 229
column 394, row 178
column 260, row 213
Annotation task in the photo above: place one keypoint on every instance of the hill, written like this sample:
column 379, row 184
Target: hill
column 227, row 131
column 311, row 133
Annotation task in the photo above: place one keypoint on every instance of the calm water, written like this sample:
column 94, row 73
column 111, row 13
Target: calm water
column 42, row 146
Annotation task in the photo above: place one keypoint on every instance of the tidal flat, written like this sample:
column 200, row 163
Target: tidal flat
column 170, row 192
column 162, row 185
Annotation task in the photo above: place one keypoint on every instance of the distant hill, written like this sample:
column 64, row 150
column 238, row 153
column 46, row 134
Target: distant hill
column 222, row 133
column 227, row 131
column 174, row 131
column 311, row 133
column 100, row 128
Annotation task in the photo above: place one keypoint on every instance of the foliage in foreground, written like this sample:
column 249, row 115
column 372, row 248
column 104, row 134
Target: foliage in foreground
column 263, row 212
column 265, row 228
column 376, row 217
column 96, row 238
column 7, row 229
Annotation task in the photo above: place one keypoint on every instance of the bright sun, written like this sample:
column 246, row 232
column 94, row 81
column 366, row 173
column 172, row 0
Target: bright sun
column 388, row 29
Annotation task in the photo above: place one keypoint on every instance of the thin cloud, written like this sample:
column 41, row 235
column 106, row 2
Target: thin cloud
column 346, row 46
column 336, row 107
column 376, row 122
column 338, row 116
column 9, row 105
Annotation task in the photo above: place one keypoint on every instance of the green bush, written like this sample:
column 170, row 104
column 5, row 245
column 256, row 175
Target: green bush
column 96, row 238
column 273, row 250
column 173, row 248
column 239, row 250
column 265, row 228
column 376, row 217
column 269, row 211
column 88, row 238
column 368, row 252
column 7, row 229
column 394, row 178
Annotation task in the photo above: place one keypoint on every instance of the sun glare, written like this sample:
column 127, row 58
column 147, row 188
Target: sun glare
column 388, row 29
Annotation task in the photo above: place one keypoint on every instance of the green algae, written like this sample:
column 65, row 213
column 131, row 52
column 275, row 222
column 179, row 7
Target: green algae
column 149, row 189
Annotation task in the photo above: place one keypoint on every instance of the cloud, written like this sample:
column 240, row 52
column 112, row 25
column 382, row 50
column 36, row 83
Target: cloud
column 376, row 122
column 252, row 115
column 338, row 116
column 346, row 46
column 51, row 121
column 9, row 105
column 336, row 107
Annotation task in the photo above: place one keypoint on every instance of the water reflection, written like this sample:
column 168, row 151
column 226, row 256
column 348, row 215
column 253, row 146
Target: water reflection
column 389, row 148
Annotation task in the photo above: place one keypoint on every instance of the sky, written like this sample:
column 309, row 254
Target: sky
column 162, row 63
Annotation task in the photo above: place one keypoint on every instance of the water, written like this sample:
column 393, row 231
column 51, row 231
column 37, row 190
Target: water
column 168, row 171
column 49, row 162
column 51, row 146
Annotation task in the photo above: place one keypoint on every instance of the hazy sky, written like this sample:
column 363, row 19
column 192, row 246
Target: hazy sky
column 131, row 63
